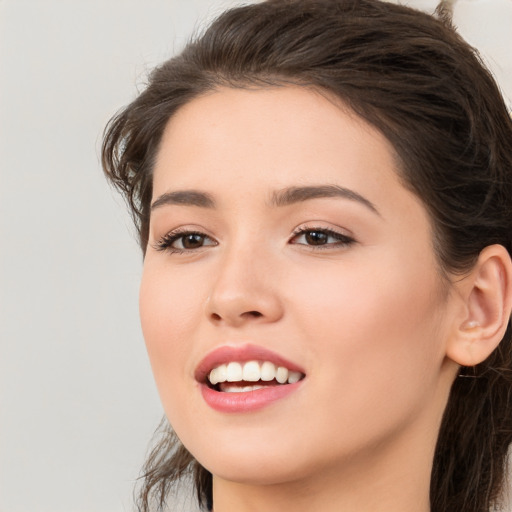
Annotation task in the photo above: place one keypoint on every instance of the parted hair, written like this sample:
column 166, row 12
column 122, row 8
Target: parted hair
column 415, row 79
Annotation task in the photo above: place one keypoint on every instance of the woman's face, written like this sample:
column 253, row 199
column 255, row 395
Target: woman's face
column 281, row 234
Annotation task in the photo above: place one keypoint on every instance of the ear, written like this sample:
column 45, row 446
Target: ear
column 486, row 295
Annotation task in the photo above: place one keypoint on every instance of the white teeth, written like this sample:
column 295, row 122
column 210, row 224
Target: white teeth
column 293, row 377
column 268, row 371
column 251, row 371
column 218, row 374
column 222, row 373
column 282, row 375
column 234, row 372
column 226, row 388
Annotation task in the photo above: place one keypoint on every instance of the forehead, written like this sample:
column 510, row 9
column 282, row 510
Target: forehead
column 251, row 140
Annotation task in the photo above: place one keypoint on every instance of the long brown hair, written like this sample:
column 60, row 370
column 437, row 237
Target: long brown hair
column 413, row 77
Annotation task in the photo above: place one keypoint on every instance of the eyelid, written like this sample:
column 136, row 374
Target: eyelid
column 343, row 238
column 164, row 243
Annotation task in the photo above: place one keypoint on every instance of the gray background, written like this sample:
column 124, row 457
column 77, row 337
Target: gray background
column 77, row 401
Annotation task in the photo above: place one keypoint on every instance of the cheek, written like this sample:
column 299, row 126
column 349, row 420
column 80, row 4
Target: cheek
column 378, row 331
column 170, row 311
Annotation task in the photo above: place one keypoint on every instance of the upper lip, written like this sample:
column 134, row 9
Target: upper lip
column 241, row 354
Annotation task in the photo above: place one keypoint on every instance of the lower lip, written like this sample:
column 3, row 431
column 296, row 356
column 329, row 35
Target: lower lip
column 246, row 401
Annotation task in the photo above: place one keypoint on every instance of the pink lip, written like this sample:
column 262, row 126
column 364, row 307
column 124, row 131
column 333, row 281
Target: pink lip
column 245, row 401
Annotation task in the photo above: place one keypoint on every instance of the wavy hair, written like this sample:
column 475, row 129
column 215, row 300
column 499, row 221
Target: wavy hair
column 415, row 79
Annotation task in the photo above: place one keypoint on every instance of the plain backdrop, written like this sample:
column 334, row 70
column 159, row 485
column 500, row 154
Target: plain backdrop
column 77, row 401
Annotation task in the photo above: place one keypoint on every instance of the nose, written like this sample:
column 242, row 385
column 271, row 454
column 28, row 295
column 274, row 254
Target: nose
column 245, row 290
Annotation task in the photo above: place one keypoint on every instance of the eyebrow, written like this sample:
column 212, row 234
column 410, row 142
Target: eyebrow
column 284, row 197
column 186, row 198
column 293, row 195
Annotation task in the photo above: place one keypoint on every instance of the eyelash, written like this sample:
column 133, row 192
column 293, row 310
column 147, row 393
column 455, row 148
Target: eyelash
column 341, row 239
column 166, row 242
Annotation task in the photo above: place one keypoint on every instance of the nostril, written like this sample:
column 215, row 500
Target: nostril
column 248, row 314
column 255, row 314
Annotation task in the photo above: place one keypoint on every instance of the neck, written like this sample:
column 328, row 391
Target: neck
column 369, row 489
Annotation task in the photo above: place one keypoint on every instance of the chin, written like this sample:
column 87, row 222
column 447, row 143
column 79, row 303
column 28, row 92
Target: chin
column 266, row 471
column 256, row 463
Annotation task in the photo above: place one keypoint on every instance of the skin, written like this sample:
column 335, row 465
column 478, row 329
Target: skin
column 369, row 321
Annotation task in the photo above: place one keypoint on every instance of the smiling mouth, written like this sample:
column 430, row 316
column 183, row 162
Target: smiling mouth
column 242, row 377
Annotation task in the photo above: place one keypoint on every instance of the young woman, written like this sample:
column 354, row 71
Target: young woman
column 323, row 192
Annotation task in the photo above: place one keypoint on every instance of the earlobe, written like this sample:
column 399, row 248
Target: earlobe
column 487, row 296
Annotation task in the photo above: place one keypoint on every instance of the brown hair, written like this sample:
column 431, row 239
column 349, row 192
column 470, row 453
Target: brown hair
column 413, row 77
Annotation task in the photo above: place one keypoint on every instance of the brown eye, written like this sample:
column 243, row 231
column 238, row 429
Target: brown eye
column 321, row 238
column 183, row 241
column 192, row 241
column 316, row 237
